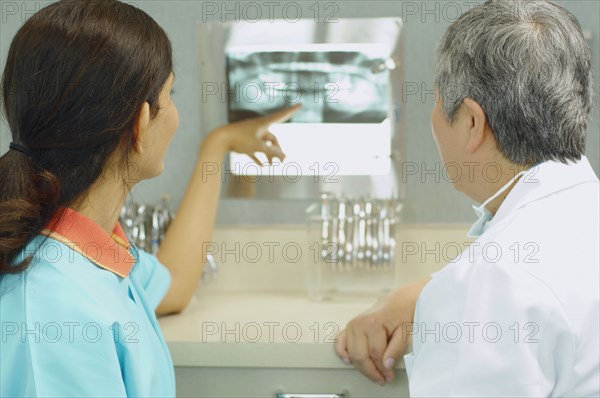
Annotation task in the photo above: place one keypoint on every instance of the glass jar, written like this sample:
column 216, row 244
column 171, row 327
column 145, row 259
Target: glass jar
column 353, row 244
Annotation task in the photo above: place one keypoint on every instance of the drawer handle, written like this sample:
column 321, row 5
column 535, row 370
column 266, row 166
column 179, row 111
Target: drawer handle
column 282, row 395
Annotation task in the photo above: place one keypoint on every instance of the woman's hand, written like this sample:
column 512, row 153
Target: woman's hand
column 253, row 135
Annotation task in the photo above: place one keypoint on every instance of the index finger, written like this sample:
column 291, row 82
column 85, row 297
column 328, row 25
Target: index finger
column 282, row 115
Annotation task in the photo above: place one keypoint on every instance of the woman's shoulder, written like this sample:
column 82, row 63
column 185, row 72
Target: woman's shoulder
column 58, row 279
column 58, row 311
column 55, row 259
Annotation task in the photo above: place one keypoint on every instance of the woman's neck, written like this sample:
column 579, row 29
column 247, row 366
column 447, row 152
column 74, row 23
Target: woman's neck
column 102, row 203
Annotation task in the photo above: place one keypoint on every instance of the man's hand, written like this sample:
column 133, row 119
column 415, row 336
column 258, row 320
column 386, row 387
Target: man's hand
column 374, row 341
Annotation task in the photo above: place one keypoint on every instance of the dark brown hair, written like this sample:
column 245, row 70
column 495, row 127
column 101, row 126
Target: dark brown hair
column 76, row 77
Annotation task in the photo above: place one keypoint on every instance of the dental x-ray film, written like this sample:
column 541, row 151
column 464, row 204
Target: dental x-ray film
column 336, row 83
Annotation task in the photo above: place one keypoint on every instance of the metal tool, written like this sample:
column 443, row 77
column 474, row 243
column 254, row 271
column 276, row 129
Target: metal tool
column 358, row 233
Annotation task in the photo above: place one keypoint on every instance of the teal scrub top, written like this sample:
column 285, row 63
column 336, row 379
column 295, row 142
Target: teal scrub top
column 73, row 328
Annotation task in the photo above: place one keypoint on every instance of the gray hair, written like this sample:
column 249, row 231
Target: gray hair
column 526, row 63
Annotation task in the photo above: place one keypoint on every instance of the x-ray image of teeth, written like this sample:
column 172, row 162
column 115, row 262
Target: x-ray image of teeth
column 333, row 85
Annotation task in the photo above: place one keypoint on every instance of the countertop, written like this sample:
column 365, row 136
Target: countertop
column 258, row 329
column 257, row 313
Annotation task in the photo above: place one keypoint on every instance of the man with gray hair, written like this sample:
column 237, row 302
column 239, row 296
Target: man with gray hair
column 518, row 313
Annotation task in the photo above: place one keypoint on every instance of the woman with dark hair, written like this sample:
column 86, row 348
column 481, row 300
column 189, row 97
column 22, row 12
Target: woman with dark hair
column 86, row 93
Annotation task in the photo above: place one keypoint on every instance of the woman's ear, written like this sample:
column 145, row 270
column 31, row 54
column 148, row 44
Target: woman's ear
column 476, row 124
column 141, row 127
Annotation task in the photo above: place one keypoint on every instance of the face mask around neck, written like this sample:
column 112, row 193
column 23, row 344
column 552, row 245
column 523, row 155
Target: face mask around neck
column 483, row 214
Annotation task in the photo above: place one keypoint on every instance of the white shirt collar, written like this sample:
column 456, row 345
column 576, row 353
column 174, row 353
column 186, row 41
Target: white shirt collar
column 544, row 180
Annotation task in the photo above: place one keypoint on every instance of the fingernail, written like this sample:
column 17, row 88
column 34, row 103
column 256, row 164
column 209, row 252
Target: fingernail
column 388, row 379
column 381, row 383
column 346, row 361
column 389, row 363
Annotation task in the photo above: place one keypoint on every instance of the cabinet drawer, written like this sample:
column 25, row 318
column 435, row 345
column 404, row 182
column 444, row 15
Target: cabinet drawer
column 230, row 382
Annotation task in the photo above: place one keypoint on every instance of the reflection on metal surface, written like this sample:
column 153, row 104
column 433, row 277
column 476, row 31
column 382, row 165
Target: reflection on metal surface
column 145, row 225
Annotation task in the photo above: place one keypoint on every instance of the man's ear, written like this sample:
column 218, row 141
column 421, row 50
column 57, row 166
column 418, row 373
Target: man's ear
column 141, row 127
column 477, row 125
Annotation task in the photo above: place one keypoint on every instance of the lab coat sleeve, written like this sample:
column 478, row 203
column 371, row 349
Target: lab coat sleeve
column 489, row 330
column 153, row 277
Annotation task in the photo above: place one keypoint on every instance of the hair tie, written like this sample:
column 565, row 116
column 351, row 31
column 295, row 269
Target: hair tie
column 20, row 148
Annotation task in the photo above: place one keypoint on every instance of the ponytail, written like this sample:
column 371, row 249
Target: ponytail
column 28, row 199
column 70, row 105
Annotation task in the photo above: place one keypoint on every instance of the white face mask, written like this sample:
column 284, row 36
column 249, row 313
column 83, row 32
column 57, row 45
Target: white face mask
column 483, row 214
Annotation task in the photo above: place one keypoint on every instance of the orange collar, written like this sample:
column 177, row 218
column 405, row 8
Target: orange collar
column 87, row 238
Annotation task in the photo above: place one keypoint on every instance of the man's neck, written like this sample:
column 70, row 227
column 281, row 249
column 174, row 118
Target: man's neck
column 508, row 171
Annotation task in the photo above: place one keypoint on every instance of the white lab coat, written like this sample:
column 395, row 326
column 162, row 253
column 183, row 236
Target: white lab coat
column 518, row 313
